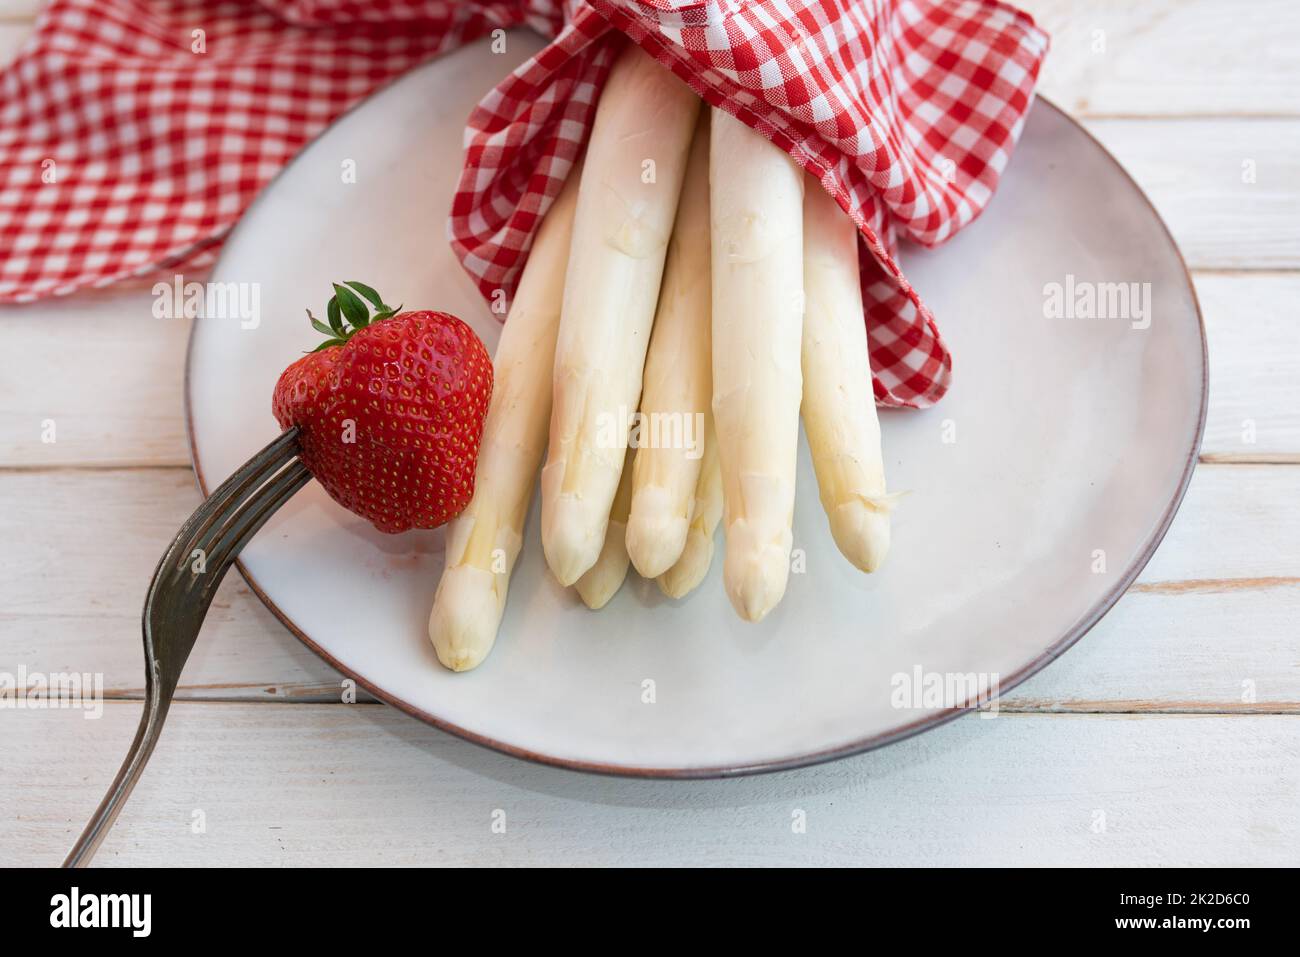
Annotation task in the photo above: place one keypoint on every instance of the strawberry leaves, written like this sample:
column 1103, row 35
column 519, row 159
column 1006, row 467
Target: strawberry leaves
column 349, row 310
column 375, row 299
column 354, row 310
column 320, row 326
column 382, row 310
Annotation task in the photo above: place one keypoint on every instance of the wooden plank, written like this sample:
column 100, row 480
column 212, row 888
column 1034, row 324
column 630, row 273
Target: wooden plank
column 1227, row 646
column 364, row 785
column 103, row 373
column 1191, row 57
column 1229, row 189
column 80, row 548
column 1252, row 323
column 1237, row 522
column 116, row 392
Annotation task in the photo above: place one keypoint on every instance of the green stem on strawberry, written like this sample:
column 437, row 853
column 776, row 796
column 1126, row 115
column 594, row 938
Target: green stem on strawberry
column 348, row 312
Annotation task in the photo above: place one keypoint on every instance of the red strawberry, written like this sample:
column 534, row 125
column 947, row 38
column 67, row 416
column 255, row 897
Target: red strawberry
column 390, row 409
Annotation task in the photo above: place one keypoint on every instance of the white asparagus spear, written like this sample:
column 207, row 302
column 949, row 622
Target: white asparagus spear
column 483, row 541
column 601, row 581
column 757, row 226
column 839, row 409
column 636, row 159
column 697, row 555
column 678, row 381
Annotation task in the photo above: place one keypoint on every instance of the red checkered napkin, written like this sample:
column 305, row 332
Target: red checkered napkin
column 905, row 111
column 129, row 143
column 133, row 133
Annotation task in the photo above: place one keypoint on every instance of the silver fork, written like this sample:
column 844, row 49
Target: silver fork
column 179, row 595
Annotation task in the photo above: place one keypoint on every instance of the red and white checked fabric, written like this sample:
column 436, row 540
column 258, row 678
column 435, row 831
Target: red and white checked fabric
column 130, row 143
column 133, row 133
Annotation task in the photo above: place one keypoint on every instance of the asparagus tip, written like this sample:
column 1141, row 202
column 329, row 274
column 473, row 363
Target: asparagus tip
column 465, row 617
column 862, row 534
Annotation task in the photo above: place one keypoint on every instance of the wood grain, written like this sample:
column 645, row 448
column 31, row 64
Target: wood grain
column 109, row 412
column 1189, row 57
column 1195, row 172
column 80, row 548
column 355, row 785
column 103, row 373
column 1252, row 323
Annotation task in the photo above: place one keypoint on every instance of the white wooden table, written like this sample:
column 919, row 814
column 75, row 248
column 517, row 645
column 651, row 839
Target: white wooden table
column 1169, row 735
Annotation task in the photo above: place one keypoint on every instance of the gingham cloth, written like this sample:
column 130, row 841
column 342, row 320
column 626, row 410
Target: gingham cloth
column 133, row 133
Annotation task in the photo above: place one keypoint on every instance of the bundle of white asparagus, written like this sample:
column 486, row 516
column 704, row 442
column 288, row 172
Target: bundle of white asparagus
column 686, row 294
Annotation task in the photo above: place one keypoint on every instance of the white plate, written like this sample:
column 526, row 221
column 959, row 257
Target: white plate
column 1063, row 444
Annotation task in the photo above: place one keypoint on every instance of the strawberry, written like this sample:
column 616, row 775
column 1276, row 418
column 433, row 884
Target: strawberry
column 390, row 409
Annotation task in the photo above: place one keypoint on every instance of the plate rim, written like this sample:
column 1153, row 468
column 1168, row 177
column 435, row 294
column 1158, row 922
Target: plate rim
column 1076, row 631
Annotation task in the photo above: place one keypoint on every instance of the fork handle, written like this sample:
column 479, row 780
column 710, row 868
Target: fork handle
column 178, row 600
column 146, row 737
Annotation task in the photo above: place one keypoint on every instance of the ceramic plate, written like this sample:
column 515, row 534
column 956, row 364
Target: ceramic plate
column 1039, row 487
